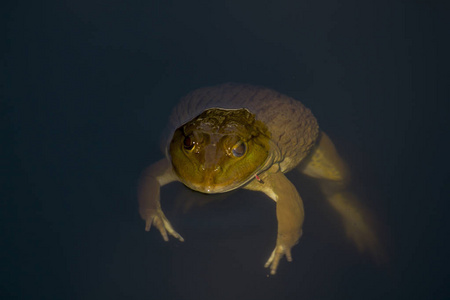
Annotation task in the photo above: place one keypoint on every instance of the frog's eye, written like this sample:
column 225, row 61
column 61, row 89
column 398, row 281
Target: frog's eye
column 239, row 149
column 188, row 143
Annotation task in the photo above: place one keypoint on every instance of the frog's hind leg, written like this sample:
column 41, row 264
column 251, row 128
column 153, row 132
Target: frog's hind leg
column 325, row 164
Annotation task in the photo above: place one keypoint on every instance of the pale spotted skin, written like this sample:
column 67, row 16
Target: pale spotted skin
column 292, row 135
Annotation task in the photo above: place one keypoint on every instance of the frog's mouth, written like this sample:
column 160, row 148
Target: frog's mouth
column 210, row 189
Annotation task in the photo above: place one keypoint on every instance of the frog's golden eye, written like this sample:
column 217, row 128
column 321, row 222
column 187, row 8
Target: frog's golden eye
column 188, row 143
column 239, row 149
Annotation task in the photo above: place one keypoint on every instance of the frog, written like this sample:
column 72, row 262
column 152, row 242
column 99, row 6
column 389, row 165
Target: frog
column 230, row 136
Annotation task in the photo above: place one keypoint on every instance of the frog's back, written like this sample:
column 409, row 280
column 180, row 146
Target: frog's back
column 293, row 127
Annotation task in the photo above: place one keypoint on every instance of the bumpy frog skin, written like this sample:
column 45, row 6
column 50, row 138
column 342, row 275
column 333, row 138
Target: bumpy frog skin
column 231, row 136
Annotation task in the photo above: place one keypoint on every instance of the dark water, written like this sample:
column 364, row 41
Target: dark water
column 88, row 86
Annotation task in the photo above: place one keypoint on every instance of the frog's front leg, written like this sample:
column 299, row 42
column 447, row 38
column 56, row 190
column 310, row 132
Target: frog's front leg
column 290, row 213
column 155, row 176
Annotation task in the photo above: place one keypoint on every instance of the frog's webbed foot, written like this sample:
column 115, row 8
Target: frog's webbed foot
column 160, row 173
column 159, row 220
column 358, row 225
column 276, row 256
column 365, row 240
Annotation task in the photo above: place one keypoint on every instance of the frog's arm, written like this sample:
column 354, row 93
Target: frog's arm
column 326, row 165
column 155, row 176
column 290, row 213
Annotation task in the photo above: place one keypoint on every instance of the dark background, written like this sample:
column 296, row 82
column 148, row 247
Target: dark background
column 87, row 87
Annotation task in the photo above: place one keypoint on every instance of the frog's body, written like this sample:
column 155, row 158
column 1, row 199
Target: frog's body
column 232, row 136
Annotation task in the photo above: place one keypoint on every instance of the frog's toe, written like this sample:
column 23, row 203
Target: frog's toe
column 171, row 231
column 159, row 220
column 159, row 224
column 275, row 257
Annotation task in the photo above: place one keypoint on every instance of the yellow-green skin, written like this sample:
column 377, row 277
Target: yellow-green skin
column 209, row 165
column 233, row 135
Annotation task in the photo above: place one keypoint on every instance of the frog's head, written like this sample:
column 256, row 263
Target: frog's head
column 220, row 150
